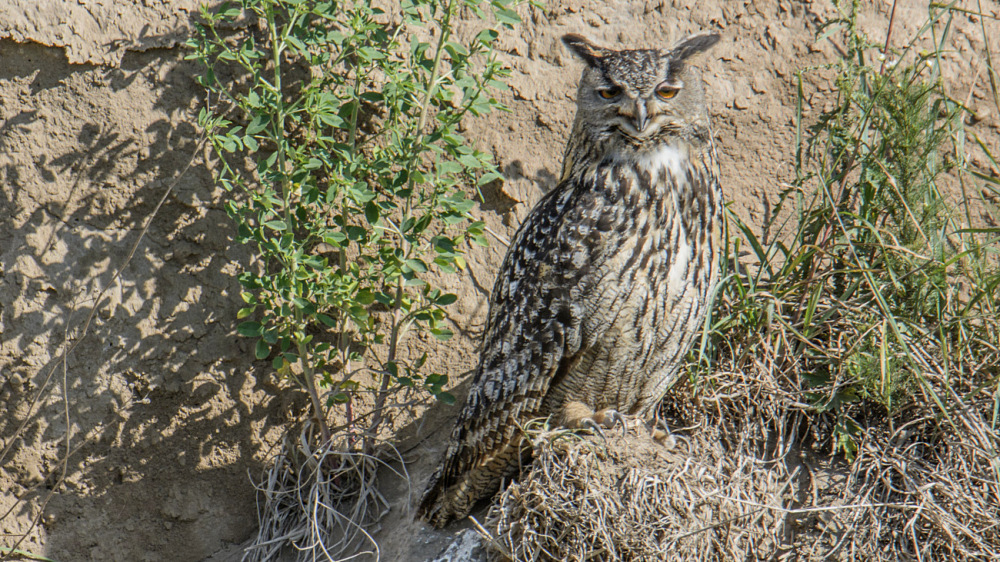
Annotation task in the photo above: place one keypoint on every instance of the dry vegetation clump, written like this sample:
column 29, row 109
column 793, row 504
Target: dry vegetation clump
column 755, row 479
column 631, row 498
column 319, row 503
column 919, row 486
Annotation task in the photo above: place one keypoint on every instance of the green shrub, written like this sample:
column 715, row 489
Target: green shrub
column 336, row 127
column 338, row 135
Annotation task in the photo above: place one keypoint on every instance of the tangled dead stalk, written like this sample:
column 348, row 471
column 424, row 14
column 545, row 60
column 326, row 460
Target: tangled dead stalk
column 320, row 504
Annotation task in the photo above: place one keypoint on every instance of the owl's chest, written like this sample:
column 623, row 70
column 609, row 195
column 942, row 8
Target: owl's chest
column 644, row 240
column 643, row 223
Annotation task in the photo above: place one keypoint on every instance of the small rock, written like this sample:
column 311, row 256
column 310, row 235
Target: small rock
column 759, row 83
column 980, row 114
column 467, row 546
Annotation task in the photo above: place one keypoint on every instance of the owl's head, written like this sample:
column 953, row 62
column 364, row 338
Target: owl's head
column 646, row 96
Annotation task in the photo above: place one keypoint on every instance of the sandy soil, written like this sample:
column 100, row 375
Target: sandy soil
column 164, row 412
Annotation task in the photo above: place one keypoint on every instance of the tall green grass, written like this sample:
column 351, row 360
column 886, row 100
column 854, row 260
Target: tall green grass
column 881, row 285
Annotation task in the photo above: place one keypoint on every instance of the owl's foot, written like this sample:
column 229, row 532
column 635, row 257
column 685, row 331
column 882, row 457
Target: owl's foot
column 597, row 428
column 610, row 419
column 660, row 432
column 577, row 415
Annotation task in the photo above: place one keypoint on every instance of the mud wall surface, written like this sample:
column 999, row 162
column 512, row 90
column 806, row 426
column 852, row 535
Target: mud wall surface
column 156, row 398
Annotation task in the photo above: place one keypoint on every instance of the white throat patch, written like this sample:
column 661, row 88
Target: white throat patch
column 668, row 157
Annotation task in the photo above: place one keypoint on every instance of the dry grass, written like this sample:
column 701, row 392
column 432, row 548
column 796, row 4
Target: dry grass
column 630, row 498
column 755, row 480
column 921, row 486
column 319, row 504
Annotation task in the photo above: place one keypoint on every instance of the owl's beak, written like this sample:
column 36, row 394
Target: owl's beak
column 641, row 117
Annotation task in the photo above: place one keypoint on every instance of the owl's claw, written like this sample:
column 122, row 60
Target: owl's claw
column 660, row 432
column 592, row 426
column 661, row 425
column 609, row 418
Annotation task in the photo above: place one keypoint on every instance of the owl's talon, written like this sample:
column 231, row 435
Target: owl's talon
column 660, row 431
column 592, row 426
column 611, row 418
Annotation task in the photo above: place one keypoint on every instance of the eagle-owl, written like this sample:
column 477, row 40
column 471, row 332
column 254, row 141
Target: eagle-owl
column 607, row 281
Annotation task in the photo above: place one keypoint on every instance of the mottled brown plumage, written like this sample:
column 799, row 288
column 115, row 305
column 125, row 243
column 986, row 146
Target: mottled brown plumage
column 606, row 283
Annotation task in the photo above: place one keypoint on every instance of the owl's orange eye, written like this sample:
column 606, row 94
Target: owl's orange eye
column 608, row 93
column 665, row 93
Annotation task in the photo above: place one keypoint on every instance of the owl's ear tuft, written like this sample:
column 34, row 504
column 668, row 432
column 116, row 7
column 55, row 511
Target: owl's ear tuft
column 581, row 47
column 694, row 44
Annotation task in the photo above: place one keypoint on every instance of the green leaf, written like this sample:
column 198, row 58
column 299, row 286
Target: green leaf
column 507, row 17
column 271, row 336
column 249, row 329
column 470, row 162
column 420, row 362
column 416, row 265
column 262, row 350
column 447, row 168
column 335, row 239
column 331, row 120
column 356, row 233
column 442, row 334
column 371, row 213
column 276, row 225
column 370, row 54
column 359, row 314
column 257, row 124
column 487, row 36
column 446, row 299
column 456, row 50
column 296, row 43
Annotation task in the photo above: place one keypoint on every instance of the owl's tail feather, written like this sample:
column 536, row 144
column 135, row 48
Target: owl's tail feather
column 455, row 488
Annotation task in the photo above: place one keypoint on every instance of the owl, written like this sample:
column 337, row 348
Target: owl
column 607, row 282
